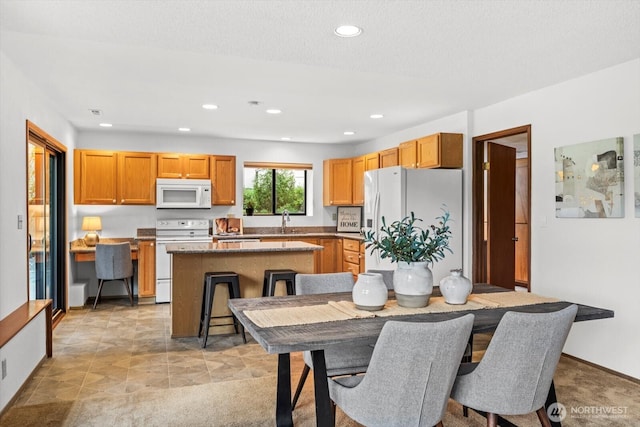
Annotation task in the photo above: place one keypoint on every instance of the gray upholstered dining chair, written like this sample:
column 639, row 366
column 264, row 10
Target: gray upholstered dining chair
column 113, row 262
column 342, row 360
column 516, row 372
column 387, row 277
column 409, row 377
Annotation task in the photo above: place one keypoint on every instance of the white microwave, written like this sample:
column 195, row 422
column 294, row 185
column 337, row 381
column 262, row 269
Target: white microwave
column 183, row 193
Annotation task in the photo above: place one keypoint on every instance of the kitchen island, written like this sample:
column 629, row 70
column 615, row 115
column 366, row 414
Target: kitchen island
column 190, row 261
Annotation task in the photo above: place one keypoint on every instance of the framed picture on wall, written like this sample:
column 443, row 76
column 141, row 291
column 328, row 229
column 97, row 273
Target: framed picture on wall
column 589, row 179
column 349, row 219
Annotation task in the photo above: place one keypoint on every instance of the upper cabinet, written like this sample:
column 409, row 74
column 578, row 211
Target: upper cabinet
column 176, row 165
column 337, row 179
column 136, row 178
column 357, row 167
column 223, row 180
column 371, row 161
column 408, row 154
column 440, row 150
column 129, row 178
column 113, row 178
column 95, row 177
column 388, row 157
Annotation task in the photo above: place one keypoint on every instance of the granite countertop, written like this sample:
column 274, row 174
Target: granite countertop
column 266, row 232
column 223, row 247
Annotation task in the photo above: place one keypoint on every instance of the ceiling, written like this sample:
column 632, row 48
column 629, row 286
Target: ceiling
column 150, row 65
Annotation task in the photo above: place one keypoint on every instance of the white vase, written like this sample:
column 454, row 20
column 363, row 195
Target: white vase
column 370, row 293
column 413, row 284
column 455, row 288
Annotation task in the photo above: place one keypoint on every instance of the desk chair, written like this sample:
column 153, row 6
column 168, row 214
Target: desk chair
column 515, row 374
column 410, row 376
column 113, row 262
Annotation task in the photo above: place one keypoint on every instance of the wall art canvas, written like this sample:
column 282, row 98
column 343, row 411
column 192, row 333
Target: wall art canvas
column 636, row 173
column 590, row 179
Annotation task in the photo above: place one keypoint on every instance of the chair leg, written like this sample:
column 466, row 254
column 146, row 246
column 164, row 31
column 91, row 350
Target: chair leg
column 492, row 420
column 95, row 303
column 127, row 285
column 465, row 411
column 301, row 381
column 543, row 417
column 440, row 424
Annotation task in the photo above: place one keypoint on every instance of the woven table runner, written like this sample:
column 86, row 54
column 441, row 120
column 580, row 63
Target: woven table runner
column 344, row 310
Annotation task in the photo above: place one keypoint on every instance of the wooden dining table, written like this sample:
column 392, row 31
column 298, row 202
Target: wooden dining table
column 316, row 337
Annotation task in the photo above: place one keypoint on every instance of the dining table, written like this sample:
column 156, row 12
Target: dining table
column 315, row 333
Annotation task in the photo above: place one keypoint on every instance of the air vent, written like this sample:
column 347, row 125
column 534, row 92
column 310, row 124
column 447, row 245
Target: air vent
column 96, row 112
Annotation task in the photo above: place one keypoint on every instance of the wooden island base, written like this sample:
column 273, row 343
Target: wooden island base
column 188, row 280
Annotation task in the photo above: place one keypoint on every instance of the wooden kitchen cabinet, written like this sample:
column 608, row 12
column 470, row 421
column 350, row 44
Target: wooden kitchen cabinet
column 146, row 269
column 337, row 182
column 223, row 180
column 440, row 150
column 351, row 257
column 408, row 154
column 136, row 178
column 177, row 165
column 371, row 161
column 388, row 157
column 358, row 180
column 330, row 257
column 95, row 178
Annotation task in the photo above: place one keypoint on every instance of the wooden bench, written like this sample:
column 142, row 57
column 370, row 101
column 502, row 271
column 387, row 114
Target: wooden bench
column 21, row 316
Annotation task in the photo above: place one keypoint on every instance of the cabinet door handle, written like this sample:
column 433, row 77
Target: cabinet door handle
column 114, row 201
column 152, row 245
column 187, row 175
column 122, row 201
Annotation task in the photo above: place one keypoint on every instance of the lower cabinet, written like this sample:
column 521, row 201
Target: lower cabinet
column 353, row 257
column 328, row 260
column 146, row 270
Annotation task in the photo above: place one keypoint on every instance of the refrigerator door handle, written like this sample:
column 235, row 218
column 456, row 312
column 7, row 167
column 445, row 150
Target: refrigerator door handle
column 377, row 224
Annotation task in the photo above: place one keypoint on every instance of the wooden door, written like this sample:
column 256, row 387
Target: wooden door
column 371, row 161
column 522, row 222
column 223, row 178
column 196, row 166
column 95, row 177
column 146, row 269
column 137, row 178
column 389, row 157
column 358, row 180
column 329, row 255
column 501, row 215
column 407, row 154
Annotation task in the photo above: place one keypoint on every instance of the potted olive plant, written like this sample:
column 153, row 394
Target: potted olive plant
column 415, row 249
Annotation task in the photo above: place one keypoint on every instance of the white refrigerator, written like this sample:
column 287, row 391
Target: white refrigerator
column 395, row 192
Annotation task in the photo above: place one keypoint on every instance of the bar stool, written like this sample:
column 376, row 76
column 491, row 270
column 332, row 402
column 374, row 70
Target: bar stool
column 271, row 277
column 211, row 280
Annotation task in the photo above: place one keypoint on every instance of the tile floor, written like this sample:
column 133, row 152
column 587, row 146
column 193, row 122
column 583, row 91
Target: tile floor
column 118, row 349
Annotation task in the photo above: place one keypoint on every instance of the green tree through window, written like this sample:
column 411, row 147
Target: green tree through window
column 288, row 193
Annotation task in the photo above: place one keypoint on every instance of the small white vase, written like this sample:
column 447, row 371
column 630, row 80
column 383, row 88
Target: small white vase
column 413, row 284
column 455, row 288
column 370, row 293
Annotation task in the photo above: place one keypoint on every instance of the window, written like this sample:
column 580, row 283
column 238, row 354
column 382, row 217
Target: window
column 271, row 188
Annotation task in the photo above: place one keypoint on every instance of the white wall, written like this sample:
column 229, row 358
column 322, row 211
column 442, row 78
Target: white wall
column 20, row 101
column 589, row 261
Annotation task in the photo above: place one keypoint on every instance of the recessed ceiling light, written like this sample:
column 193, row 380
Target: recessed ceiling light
column 348, row 31
column 274, row 111
column 106, row 125
column 349, row 132
column 376, row 116
column 184, row 129
column 286, row 138
column 209, row 106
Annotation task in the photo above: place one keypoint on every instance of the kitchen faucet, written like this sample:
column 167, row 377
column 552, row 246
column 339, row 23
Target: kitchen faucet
column 285, row 213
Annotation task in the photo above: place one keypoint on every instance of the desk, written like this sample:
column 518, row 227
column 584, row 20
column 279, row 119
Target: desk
column 84, row 253
column 316, row 337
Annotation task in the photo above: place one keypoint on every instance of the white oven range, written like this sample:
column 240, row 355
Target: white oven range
column 173, row 231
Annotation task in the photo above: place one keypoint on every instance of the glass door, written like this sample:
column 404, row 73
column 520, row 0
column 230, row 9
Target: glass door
column 46, row 219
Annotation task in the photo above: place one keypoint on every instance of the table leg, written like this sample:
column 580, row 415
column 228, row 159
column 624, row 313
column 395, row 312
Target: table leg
column 284, row 416
column 324, row 412
column 551, row 399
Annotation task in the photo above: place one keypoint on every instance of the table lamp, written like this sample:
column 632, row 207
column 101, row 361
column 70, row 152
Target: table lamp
column 91, row 224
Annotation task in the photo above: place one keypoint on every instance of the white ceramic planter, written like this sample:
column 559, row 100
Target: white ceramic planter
column 370, row 293
column 413, row 284
column 455, row 288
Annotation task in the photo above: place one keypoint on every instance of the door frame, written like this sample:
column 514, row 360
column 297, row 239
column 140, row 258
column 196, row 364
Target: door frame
column 478, row 198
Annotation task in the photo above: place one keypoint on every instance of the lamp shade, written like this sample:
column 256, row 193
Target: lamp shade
column 91, row 223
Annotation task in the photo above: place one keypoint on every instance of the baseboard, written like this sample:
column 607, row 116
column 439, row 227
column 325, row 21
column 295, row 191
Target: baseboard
column 602, row 368
column 22, row 387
